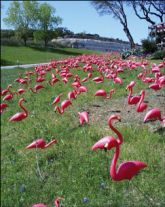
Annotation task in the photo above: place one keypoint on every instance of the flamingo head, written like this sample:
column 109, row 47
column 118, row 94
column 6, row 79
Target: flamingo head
column 9, row 86
column 131, row 85
column 113, row 117
column 21, row 100
column 142, row 92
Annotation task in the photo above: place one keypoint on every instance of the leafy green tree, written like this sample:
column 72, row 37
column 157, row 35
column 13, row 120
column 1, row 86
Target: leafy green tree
column 22, row 16
column 47, row 21
column 149, row 46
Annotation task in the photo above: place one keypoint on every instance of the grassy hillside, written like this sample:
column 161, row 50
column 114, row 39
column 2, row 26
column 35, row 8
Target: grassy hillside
column 70, row 168
column 11, row 55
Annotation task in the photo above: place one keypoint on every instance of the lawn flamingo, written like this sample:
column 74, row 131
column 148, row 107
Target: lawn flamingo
column 141, row 106
column 132, row 99
column 154, row 114
column 40, row 143
column 8, row 96
column 20, row 115
column 102, row 143
column 57, row 99
column 20, row 91
column 71, row 95
column 3, row 106
column 5, row 91
column 83, row 117
column 103, row 93
column 98, row 79
column 57, row 201
column 36, row 88
column 127, row 170
column 39, row 205
column 64, row 105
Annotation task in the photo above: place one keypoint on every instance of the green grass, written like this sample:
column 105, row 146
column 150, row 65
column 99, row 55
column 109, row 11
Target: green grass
column 70, row 168
column 10, row 55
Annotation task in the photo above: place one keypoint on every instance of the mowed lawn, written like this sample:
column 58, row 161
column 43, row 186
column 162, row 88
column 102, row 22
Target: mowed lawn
column 12, row 55
column 70, row 168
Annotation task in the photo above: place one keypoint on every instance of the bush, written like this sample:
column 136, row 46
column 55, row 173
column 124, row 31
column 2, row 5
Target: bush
column 158, row 55
column 149, row 46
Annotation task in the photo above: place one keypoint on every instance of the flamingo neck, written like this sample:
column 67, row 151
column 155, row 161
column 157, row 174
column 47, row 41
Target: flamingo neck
column 114, row 162
column 141, row 100
column 50, row 143
column 59, row 110
column 32, row 90
column 20, row 105
column 120, row 137
column 129, row 95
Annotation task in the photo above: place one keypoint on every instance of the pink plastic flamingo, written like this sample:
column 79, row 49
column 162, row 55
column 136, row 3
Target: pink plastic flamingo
column 57, row 201
column 102, row 143
column 39, row 205
column 154, row 114
column 83, row 117
column 20, row 115
column 57, row 99
column 132, row 99
column 40, row 143
column 3, row 106
column 127, row 170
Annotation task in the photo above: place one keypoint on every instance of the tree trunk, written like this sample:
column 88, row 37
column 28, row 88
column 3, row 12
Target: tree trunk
column 129, row 36
column 45, row 42
column 25, row 40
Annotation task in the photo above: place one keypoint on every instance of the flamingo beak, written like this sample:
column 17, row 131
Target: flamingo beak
column 119, row 118
column 105, row 147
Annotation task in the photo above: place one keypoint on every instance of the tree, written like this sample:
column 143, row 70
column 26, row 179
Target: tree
column 149, row 46
column 115, row 8
column 22, row 17
column 146, row 10
column 47, row 22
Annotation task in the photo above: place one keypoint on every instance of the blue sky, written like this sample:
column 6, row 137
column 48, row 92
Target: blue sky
column 80, row 16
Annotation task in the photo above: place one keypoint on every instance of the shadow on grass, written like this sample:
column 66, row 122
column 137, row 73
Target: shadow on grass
column 56, row 50
column 7, row 63
column 161, row 131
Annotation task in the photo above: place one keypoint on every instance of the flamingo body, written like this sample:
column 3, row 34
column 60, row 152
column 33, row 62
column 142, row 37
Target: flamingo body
column 127, row 170
column 8, row 97
column 154, row 113
column 39, row 205
column 104, row 143
column 83, row 117
column 71, row 95
column 3, row 106
column 57, row 99
column 20, row 115
column 65, row 104
column 101, row 92
column 40, row 143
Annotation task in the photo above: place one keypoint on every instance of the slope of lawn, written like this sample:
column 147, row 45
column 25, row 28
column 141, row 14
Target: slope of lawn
column 70, row 168
column 12, row 55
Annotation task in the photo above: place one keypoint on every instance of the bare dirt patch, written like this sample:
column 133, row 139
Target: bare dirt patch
column 100, row 110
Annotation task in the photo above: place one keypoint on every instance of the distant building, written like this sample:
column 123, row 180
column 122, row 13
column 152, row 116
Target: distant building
column 157, row 33
column 91, row 44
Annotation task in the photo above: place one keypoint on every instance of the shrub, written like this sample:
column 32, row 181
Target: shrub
column 149, row 46
column 158, row 55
